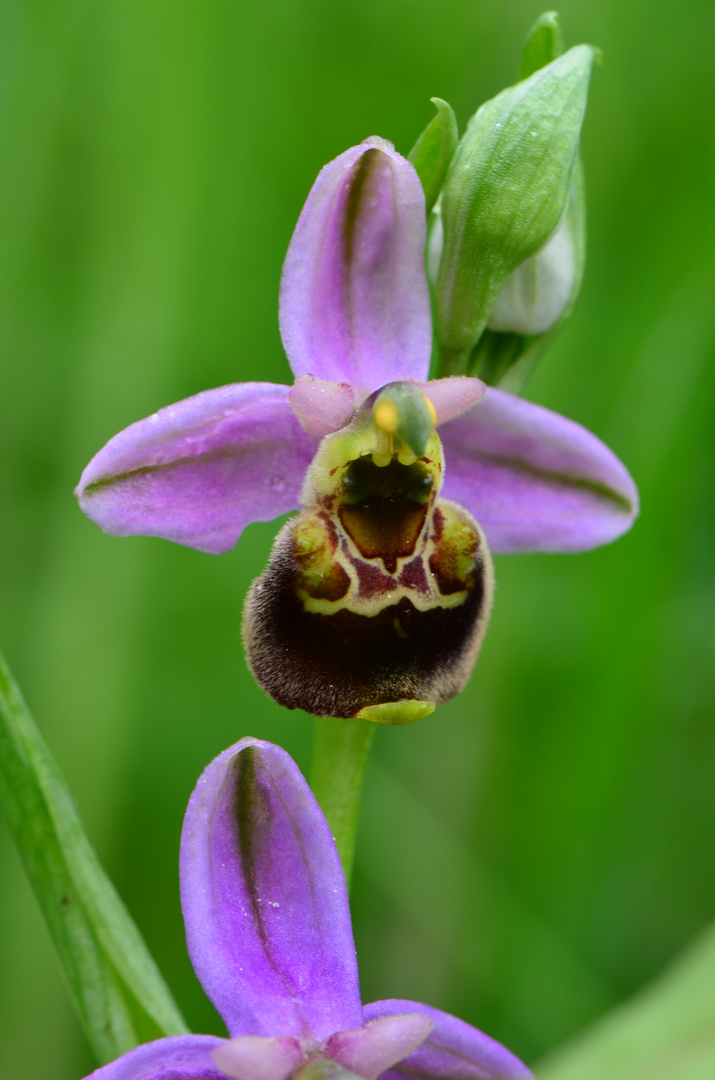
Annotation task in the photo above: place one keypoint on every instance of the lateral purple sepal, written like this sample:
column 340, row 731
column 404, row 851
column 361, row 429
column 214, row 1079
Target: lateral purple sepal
column 453, row 1050
column 354, row 302
column 180, row 1057
column 199, row 471
column 534, row 480
column 265, row 901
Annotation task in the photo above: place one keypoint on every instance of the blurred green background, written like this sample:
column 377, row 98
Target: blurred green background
column 539, row 848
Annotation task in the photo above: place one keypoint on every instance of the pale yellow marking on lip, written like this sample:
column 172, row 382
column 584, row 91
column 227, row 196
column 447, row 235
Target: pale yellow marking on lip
column 397, row 712
column 382, row 460
column 406, row 456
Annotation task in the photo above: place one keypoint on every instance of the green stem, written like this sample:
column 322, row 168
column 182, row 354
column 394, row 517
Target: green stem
column 340, row 753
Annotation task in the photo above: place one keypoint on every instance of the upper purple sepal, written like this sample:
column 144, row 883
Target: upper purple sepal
column 199, row 471
column 534, row 480
column 354, row 302
column 265, row 901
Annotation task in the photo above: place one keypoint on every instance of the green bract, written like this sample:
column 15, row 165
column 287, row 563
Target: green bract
column 544, row 43
column 433, row 152
column 505, row 194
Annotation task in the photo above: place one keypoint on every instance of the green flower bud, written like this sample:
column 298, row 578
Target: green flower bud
column 505, row 195
column 536, row 294
column 536, row 300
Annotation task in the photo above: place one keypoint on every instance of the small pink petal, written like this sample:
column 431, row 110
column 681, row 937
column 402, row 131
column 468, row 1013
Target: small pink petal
column 253, row 1057
column 322, row 407
column 453, row 396
column 370, row 1050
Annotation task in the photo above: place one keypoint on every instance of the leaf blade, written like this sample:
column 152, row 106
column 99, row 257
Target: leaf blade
column 93, row 933
column 667, row 1031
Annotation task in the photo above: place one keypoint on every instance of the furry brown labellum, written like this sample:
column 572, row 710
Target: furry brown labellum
column 378, row 592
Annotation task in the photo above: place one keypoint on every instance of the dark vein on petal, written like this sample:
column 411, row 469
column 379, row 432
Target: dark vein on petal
column 189, row 459
column 253, row 815
column 518, row 465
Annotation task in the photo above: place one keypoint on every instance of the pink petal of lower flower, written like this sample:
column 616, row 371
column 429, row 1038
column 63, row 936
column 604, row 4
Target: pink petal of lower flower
column 255, row 1057
column 452, row 1051
column 534, row 480
column 379, row 1045
column 199, row 471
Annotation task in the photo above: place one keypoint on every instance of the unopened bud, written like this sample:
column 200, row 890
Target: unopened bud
column 505, row 195
column 535, row 295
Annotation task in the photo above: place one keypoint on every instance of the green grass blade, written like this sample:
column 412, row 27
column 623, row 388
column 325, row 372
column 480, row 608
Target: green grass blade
column 94, row 934
column 667, row 1032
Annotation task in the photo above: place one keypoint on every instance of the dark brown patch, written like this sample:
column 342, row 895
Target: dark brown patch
column 333, row 585
column 372, row 579
column 384, row 508
column 386, row 529
column 413, row 576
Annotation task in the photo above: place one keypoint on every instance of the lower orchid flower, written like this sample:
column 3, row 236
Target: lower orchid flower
column 377, row 595
column 268, row 929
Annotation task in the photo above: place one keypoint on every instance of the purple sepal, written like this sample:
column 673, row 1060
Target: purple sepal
column 321, row 407
column 372, row 1049
column 253, row 1057
column 265, row 901
column 199, row 471
column 534, row 480
column 181, row 1057
column 354, row 303
column 452, row 1051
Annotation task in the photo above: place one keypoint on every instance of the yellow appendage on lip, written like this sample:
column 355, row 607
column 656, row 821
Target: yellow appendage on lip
column 386, row 417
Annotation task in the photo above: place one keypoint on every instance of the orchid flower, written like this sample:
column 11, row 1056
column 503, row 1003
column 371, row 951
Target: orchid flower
column 380, row 590
column 268, row 929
